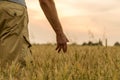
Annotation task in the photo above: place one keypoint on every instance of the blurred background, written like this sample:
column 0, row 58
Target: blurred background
column 82, row 21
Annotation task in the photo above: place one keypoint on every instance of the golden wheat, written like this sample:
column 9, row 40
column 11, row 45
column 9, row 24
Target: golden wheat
column 79, row 63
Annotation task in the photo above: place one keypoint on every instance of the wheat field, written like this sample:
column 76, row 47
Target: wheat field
column 79, row 63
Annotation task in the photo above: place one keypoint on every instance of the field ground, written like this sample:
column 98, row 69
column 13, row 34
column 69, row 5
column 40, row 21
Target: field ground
column 79, row 63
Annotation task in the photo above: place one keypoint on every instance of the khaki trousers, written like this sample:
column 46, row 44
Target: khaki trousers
column 14, row 40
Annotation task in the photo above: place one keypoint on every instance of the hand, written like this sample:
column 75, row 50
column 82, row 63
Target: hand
column 61, row 43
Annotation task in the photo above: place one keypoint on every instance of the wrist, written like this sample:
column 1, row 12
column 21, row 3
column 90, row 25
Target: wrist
column 59, row 33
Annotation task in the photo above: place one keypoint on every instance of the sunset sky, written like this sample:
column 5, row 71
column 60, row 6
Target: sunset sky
column 82, row 20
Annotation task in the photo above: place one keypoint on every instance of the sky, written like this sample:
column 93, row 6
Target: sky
column 82, row 21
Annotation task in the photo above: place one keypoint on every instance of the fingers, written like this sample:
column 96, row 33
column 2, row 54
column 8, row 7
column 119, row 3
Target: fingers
column 64, row 48
column 61, row 47
column 57, row 47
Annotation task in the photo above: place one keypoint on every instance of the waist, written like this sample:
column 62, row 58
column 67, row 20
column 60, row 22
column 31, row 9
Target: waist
column 21, row 2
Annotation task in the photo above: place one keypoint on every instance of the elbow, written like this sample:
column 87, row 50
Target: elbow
column 46, row 2
column 43, row 1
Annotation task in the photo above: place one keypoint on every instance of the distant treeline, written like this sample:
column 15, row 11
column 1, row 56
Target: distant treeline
column 99, row 43
column 117, row 44
column 89, row 43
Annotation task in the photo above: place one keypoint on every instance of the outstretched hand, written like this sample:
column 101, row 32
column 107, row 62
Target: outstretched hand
column 61, row 43
column 49, row 9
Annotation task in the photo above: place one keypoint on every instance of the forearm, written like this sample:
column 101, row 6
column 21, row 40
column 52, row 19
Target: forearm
column 49, row 10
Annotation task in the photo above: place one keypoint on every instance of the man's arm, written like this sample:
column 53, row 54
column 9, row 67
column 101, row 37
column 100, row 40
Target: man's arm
column 49, row 9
